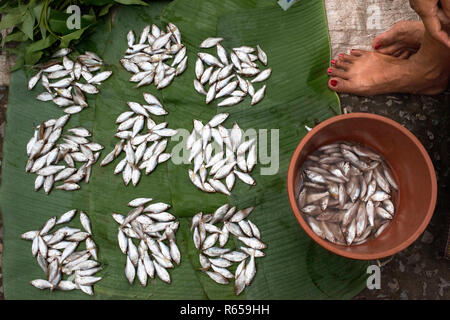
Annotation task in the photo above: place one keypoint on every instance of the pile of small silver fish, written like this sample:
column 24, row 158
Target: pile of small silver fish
column 346, row 193
column 206, row 145
column 148, row 59
column 151, row 225
column 44, row 154
column 139, row 156
column 57, row 254
column 67, row 89
column 220, row 72
column 208, row 229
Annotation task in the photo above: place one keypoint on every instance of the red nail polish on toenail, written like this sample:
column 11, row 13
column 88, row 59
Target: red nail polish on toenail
column 333, row 83
column 329, row 70
column 341, row 55
column 333, row 61
column 378, row 46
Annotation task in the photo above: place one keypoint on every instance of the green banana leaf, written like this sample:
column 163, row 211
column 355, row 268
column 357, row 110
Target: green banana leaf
column 297, row 45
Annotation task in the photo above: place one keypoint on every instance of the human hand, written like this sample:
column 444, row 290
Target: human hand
column 435, row 19
column 444, row 14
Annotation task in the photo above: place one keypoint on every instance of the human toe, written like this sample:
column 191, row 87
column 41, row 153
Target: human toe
column 339, row 85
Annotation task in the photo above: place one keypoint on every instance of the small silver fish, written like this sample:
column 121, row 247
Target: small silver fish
column 262, row 76
column 262, row 56
column 210, row 42
column 209, row 59
column 230, row 101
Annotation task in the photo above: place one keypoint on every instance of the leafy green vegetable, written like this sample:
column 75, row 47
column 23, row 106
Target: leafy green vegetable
column 28, row 23
column 13, row 18
column 18, row 36
column 105, row 10
column 65, row 40
column 131, row 2
column 98, row 2
column 35, row 21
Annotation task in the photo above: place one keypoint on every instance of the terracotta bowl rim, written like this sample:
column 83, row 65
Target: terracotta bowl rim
column 327, row 245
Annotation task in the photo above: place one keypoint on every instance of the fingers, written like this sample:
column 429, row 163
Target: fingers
column 424, row 7
column 431, row 16
column 445, row 9
column 434, row 28
column 444, row 17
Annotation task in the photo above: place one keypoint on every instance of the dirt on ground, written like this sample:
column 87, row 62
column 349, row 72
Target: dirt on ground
column 421, row 271
column 3, row 103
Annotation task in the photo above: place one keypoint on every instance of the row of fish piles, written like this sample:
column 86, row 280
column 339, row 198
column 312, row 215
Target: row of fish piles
column 133, row 141
column 72, row 78
column 149, row 58
column 57, row 254
column 220, row 73
column 151, row 225
column 346, row 193
column 206, row 145
column 44, row 154
column 215, row 261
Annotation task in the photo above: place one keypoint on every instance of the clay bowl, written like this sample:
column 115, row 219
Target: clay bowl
column 411, row 166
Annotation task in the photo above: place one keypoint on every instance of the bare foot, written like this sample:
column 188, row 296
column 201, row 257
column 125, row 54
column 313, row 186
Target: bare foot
column 402, row 40
column 370, row 73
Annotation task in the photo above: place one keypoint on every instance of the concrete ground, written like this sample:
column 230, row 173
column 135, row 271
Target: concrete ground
column 3, row 103
column 421, row 271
